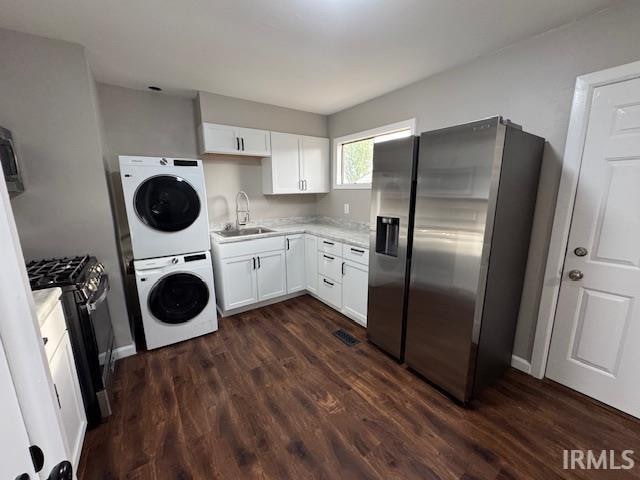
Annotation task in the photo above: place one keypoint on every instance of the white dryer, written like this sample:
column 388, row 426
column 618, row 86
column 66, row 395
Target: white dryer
column 166, row 205
column 177, row 298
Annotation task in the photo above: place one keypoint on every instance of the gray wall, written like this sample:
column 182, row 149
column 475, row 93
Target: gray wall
column 532, row 83
column 47, row 100
column 138, row 122
column 226, row 174
column 245, row 113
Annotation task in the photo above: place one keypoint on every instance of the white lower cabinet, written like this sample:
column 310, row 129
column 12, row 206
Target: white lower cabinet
column 254, row 271
column 240, row 285
column 295, row 259
column 68, row 397
column 271, row 276
column 355, row 291
column 330, row 291
column 311, row 262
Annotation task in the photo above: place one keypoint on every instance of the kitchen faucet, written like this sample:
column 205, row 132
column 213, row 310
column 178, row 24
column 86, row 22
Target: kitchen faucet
column 241, row 194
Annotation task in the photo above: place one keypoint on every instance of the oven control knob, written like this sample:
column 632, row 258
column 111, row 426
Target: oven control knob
column 174, row 260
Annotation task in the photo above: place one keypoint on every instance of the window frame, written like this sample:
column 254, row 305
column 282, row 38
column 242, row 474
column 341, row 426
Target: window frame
column 336, row 149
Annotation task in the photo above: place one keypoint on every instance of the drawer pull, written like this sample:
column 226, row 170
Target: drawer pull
column 357, row 250
column 343, row 268
column 327, row 282
column 328, row 243
column 330, row 258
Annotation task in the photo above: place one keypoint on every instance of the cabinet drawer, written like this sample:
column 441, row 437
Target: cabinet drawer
column 330, row 292
column 53, row 330
column 329, row 246
column 330, row 266
column 250, row 247
column 355, row 254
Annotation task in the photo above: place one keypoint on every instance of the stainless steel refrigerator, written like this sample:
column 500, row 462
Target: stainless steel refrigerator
column 392, row 200
column 475, row 198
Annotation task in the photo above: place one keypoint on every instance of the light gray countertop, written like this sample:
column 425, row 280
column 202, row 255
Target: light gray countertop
column 45, row 301
column 355, row 237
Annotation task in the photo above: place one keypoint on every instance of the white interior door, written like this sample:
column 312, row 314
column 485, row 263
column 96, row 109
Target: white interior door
column 14, row 441
column 594, row 348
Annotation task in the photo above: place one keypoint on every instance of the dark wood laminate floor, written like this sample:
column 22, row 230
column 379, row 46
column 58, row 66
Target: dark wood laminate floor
column 274, row 395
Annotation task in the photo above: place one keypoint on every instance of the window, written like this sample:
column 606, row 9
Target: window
column 353, row 154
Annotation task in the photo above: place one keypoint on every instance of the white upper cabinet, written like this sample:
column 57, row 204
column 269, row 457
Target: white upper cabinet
column 230, row 140
column 314, row 164
column 254, row 142
column 281, row 172
column 298, row 164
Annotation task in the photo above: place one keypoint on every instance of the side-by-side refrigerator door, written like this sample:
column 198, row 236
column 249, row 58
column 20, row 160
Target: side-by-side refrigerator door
column 391, row 203
column 454, row 180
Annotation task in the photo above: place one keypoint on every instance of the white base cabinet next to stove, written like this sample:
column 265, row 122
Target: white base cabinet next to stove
column 68, row 397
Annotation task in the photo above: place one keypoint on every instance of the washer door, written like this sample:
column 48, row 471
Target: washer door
column 177, row 298
column 167, row 203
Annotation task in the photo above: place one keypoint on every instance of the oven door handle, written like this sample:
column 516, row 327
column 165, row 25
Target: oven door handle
column 104, row 290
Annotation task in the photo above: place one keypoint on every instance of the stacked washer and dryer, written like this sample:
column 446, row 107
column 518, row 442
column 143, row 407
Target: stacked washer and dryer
column 166, row 205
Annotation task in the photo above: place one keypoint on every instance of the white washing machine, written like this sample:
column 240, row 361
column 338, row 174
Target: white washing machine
column 177, row 298
column 166, row 205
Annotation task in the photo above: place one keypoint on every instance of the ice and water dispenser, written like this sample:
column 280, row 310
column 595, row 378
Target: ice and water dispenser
column 387, row 234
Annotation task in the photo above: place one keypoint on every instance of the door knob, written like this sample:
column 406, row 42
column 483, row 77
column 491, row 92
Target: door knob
column 576, row 275
column 62, row 471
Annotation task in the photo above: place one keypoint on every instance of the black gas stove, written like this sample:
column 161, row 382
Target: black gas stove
column 85, row 286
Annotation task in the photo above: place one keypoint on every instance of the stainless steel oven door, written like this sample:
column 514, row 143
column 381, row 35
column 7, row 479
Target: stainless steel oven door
column 98, row 313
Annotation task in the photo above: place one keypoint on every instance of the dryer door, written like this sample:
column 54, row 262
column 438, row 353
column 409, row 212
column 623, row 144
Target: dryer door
column 167, row 203
column 178, row 298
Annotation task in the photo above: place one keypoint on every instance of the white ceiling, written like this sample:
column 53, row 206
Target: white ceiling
column 315, row 55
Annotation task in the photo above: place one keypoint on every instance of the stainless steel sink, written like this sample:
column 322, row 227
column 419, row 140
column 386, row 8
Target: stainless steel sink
column 244, row 231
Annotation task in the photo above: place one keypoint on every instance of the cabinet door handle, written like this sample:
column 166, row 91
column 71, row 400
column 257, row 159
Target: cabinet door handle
column 254, row 262
column 330, row 258
column 305, row 184
column 287, row 244
column 328, row 243
column 242, row 140
column 237, row 143
column 300, row 185
column 327, row 282
column 342, row 268
column 357, row 250
column 258, row 262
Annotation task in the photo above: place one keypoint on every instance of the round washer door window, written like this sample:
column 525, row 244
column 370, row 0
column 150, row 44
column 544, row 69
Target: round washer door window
column 167, row 203
column 178, row 298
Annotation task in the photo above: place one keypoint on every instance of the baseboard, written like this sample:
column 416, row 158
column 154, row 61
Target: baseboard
column 121, row 352
column 521, row 364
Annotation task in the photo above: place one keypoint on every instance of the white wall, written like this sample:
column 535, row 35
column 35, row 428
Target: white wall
column 532, row 83
column 47, row 100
